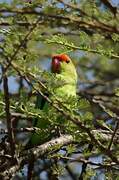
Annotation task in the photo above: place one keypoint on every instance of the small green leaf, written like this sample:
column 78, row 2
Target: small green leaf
column 117, row 92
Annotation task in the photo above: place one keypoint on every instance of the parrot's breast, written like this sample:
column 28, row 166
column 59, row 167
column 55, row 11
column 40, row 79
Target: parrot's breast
column 65, row 91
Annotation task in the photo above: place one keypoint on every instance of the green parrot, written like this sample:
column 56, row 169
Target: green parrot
column 65, row 71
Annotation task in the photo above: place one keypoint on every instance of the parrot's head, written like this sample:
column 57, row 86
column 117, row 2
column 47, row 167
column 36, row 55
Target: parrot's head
column 65, row 71
column 58, row 61
column 63, row 65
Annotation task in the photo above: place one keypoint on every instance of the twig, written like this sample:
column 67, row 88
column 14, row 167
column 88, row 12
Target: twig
column 73, row 6
column 84, row 165
column 82, row 160
column 74, row 47
column 8, row 115
column 113, row 135
column 105, row 135
column 71, row 174
column 30, row 168
column 108, row 4
column 21, row 130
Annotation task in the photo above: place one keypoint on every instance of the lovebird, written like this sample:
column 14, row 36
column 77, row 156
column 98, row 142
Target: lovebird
column 65, row 72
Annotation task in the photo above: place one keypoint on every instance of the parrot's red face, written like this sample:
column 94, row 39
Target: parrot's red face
column 57, row 60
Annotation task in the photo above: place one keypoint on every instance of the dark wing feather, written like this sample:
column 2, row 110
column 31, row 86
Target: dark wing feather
column 40, row 103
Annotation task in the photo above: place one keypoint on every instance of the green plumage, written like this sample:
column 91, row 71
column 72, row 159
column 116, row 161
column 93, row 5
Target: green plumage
column 63, row 91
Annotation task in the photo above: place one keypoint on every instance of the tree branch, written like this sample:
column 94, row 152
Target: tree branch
column 113, row 135
column 108, row 4
column 37, row 152
column 8, row 115
column 92, row 24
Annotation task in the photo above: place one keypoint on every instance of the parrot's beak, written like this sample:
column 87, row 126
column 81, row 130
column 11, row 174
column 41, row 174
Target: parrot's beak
column 55, row 65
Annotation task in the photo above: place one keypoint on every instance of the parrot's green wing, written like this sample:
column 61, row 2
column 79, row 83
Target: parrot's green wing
column 40, row 102
column 36, row 138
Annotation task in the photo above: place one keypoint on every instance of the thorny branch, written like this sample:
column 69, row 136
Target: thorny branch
column 74, row 47
column 82, row 160
column 37, row 152
column 105, row 135
column 77, row 20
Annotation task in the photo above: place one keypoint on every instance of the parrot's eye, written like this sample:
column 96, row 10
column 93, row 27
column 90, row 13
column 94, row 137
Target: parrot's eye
column 61, row 60
column 67, row 61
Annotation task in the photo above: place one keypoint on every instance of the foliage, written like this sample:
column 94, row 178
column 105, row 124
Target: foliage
column 31, row 32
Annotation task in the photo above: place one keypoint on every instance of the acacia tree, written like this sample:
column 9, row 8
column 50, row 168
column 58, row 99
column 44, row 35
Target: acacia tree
column 31, row 31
